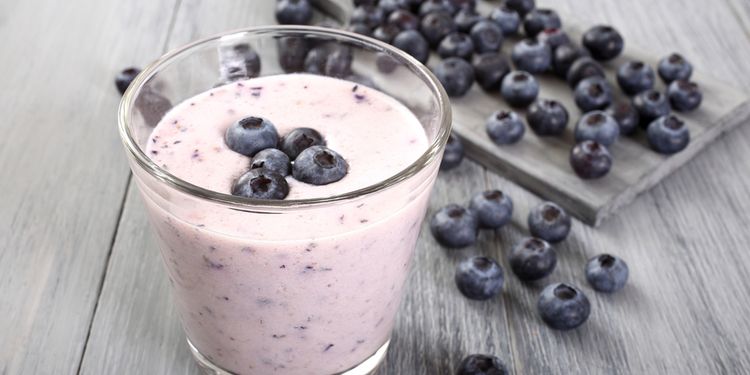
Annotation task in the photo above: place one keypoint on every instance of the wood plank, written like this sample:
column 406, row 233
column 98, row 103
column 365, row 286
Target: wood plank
column 62, row 175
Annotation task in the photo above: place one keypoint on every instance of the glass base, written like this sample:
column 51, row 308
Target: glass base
column 367, row 367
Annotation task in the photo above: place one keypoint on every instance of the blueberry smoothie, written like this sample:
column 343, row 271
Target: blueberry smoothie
column 303, row 290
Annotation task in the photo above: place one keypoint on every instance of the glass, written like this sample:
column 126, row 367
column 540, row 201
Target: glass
column 331, row 305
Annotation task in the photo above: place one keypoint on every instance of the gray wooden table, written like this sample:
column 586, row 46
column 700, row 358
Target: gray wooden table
column 81, row 284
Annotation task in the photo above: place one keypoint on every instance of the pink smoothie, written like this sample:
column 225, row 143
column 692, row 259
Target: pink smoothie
column 307, row 290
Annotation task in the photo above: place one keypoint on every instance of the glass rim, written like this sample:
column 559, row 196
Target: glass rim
column 127, row 105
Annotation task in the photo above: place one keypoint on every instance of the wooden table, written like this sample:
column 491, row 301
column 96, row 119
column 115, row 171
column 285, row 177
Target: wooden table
column 81, row 284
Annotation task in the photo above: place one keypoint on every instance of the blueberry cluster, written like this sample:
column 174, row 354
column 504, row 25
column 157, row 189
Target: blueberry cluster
column 301, row 153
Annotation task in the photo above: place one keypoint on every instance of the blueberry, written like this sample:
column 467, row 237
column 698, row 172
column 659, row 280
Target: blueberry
column 413, row 43
column 590, row 160
column 563, row 306
column 674, row 67
column 522, row 7
column 519, row 88
column 540, row 19
column 339, row 62
column 634, row 77
column 364, row 2
column 319, row 165
column 293, row 12
column 124, row 78
column 456, row 75
column 403, row 19
column 456, row 45
column 481, row 364
column 531, row 56
column 453, row 154
column 359, row 28
column 607, row 273
column 603, row 42
column 390, row 6
column 507, row 18
column 369, row 15
column 564, row 56
column 626, row 116
column 433, row 6
column 487, row 36
column 668, row 135
column 435, row 26
column 532, row 259
column 273, row 160
column 465, row 19
column 549, row 222
column 298, row 140
column 386, row 32
column 593, row 93
column 251, row 134
column 261, row 184
column 292, row 53
column 455, row 226
column 479, row 278
column 650, row 105
column 505, row 127
column 459, row 5
column 489, row 70
column 553, row 38
column 547, row 117
column 582, row 68
column 315, row 62
column 684, row 95
column 494, row 209
column 597, row 126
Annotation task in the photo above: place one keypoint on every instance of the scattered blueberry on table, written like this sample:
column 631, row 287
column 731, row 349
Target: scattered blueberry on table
column 684, row 95
column 293, row 12
column 674, row 67
column 481, row 364
column 549, row 222
column 564, row 57
column 597, row 126
column 505, row 127
column 540, row 19
column 590, row 160
column 635, row 77
column 125, row 77
column 593, row 93
column 519, row 88
column 456, row 45
column 626, row 116
column 455, row 226
column 582, row 68
column 607, row 273
column 603, row 42
column 668, row 135
column 456, row 75
column 650, row 105
column 466, row 18
column 532, row 56
column 547, row 117
column 507, row 18
column 479, row 278
column 453, row 154
column 563, row 306
column 532, row 259
column 487, row 36
column 553, row 37
column 493, row 208
column 489, row 70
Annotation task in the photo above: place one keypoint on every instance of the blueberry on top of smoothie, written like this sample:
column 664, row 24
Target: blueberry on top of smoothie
column 273, row 160
column 261, row 184
column 319, row 165
column 250, row 135
column 299, row 139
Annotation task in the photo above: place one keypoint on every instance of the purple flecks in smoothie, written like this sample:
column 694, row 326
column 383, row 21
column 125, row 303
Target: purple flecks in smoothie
column 276, row 336
column 328, row 347
column 282, row 266
column 263, row 302
column 360, row 98
column 154, row 152
column 247, row 250
column 354, row 88
column 363, row 221
column 212, row 264
column 177, row 142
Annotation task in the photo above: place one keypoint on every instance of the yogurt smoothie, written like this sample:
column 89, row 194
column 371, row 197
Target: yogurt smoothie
column 306, row 291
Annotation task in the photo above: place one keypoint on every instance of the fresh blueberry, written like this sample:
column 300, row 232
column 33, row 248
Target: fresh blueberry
column 684, row 95
column 359, row 28
column 505, row 127
column 369, row 15
column 603, row 42
column 459, row 5
column 507, row 18
column 519, row 88
column 339, row 62
column 251, row 134
column 549, row 222
column 607, row 273
column 489, row 70
column 481, row 364
column 650, row 105
column 456, row 75
column 553, row 38
column 590, row 160
column 531, row 56
column 479, row 278
column 315, row 62
column 532, row 259
column 273, row 160
column 547, row 117
column 390, row 6
column 593, row 93
column 292, row 53
column 540, row 19
column 487, row 36
column 582, row 68
column 668, row 135
column 455, row 226
column 386, row 32
column 626, row 116
column 413, row 43
column 293, row 12
column 564, row 56
column 634, row 77
column 456, row 45
column 674, row 67
column 433, row 6
column 124, row 78
column 435, row 26
column 404, row 19
column 319, row 165
column 453, row 154
column 465, row 19
column 563, row 306
column 298, row 140
column 522, row 7
column 597, row 126
column 261, row 184
column 494, row 209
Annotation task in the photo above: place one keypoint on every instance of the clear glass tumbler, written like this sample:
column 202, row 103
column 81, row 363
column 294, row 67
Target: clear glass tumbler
column 331, row 305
